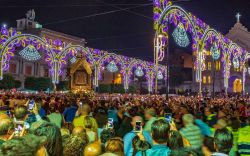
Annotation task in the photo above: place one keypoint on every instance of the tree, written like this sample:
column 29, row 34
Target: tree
column 8, row 82
column 40, row 83
column 18, row 84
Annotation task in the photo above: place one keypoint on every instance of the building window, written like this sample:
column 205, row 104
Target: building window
column 209, row 66
column 46, row 72
column 13, row 68
column 209, row 79
column 204, row 80
column 217, row 65
column 28, row 70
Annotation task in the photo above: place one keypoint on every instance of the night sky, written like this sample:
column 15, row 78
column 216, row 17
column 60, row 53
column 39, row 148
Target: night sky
column 128, row 32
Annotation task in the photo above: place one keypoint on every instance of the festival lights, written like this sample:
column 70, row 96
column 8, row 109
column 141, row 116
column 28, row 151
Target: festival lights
column 180, row 36
column 139, row 72
column 160, row 75
column 202, row 37
column 30, row 53
column 215, row 51
column 112, row 67
column 236, row 62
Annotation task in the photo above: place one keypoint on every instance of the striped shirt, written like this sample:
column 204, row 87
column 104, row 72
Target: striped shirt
column 193, row 134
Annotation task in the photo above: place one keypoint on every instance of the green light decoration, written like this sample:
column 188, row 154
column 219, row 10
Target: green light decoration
column 112, row 67
column 180, row 36
column 30, row 53
column 215, row 51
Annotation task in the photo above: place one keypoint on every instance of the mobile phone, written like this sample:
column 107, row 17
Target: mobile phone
column 8, row 113
column 168, row 117
column 137, row 126
column 110, row 123
column 18, row 129
column 31, row 104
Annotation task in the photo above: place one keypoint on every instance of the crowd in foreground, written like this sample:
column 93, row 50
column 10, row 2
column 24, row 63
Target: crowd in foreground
column 123, row 125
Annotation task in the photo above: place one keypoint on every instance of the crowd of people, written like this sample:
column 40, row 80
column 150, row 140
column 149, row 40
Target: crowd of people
column 123, row 125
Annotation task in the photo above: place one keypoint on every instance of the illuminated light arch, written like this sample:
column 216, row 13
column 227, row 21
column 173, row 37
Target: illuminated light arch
column 9, row 45
column 202, row 36
column 173, row 11
column 73, row 50
column 111, row 56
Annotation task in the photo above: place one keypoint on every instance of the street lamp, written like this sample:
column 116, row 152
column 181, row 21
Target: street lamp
column 158, row 48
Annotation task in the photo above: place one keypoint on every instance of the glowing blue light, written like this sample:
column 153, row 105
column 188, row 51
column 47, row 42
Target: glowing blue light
column 30, row 53
column 180, row 36
column 215, row 51
column 73, row 59
column 159, row 75
column 112, row 67
column 139, row 72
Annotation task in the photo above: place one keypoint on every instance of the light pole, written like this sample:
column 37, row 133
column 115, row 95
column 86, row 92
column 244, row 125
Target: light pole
column 158, row 47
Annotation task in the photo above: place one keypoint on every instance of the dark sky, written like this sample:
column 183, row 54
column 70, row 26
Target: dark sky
column 123, row 32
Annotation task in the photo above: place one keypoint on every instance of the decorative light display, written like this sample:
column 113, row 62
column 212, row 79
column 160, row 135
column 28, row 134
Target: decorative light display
column 139, row 72
column 215, row 51
column 202, row 34
column 160, row 75
column 180, row 36
column 236, row 62
column 112, row 67
column 73, row 59
column 30, row 53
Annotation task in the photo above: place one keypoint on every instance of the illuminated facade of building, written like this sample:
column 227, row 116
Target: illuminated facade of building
column 28, row 62
column 214, row 69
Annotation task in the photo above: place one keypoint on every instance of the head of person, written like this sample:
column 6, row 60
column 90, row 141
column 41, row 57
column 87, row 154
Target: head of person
column 107, row 134
column 101, row 119
column 115, row 145
column 54, row 139
column 221, row 114
column 28, row 145
column 81, row 132
column 188, row 119
column 183, row 152
column 223, row 140
column 139, row 145
column 160, row 131
column 221, row 123
column 88, row 122
column 208, row 111
column 209, row 143
column 6, row 125
column 149, row 113
column 136, row 119
column 93, row 149
column 235, row 123
column 84, row 109
column 74, row 146
column 21, row 113
column 175, row 140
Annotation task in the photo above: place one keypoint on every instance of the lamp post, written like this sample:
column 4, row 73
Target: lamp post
column 157, row 48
